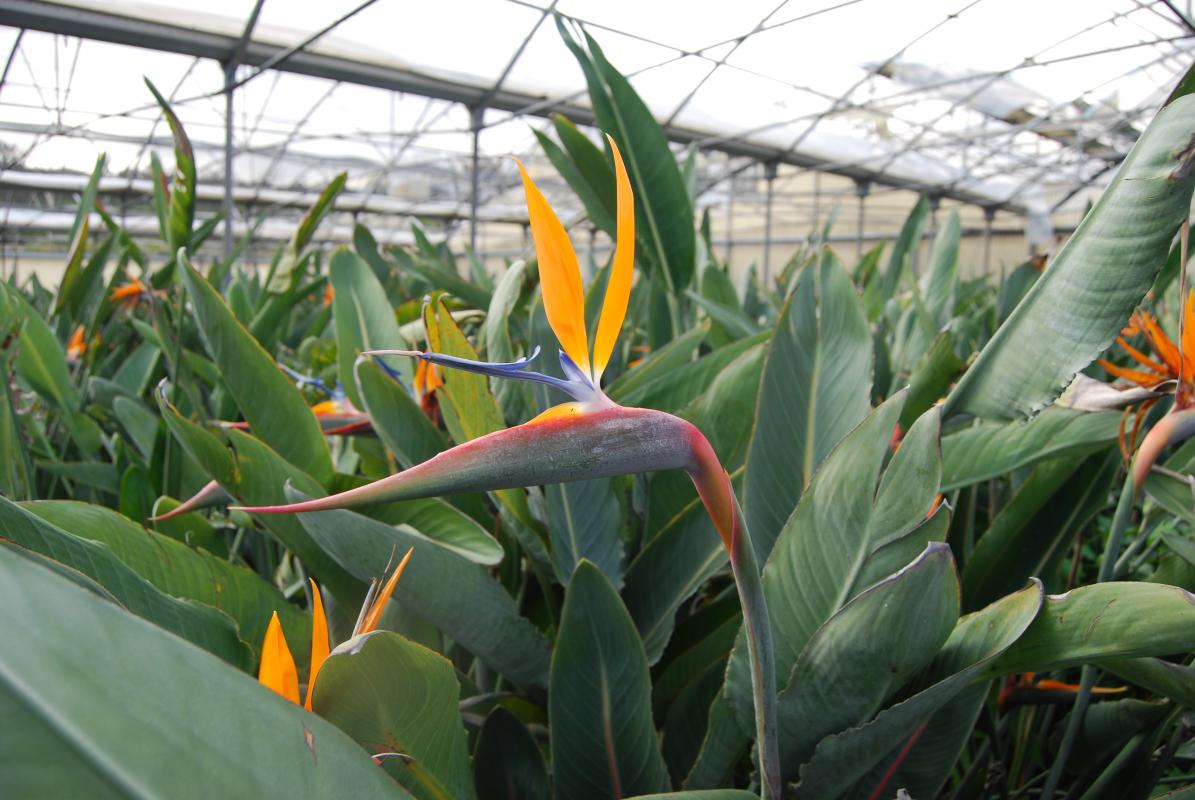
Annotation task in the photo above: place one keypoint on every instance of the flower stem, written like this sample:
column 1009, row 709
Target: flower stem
column 717, row 493
column 763, row 663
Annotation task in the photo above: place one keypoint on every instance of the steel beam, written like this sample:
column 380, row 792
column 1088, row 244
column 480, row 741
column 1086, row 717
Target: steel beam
column 107, row 26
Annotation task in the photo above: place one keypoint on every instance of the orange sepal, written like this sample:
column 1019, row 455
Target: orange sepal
column 1160, row 342
column 374, row 615
column 319, row 640
column 622, row 270
column 326, row 407
column 1141, row 358
column 559, row 275
column 130, row 290
column 77, row 346
column 1144, row 379
column 277, row 670
column 555, row 412
column 427, row 378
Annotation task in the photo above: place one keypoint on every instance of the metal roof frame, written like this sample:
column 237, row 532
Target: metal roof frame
column 91, row 23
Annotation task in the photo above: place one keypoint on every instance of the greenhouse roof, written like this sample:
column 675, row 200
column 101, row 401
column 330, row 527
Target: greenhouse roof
column 923, row 96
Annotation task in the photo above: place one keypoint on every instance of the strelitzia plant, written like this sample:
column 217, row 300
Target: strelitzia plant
column 590, row 436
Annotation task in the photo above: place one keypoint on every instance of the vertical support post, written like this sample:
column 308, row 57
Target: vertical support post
column 230, row 68
column 476, row 120
column 989, row 215
column 817, row 203
column 729, row 219
column 769, row 174
column 862, row 189
column 229, row 206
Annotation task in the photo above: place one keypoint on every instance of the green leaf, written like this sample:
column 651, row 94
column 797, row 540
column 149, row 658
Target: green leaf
column 40, row 360
column 192, row 529
column 287, row 273
column 844, row 758
column 469, row 408
column 991, row 449
column 663, row 210
column 440, row 275
column 731, row 322
column 92, row 474
column 507, row 764
column 671, row 392
column 1078, row 306
column 255, row 475
column 456, row 596
column 700, row 794
column 603, row 741
column 685, row 550
column 364, row 319
column 1016, row 286
column 72, row 285
column 367, row 247
column 182, row 572
column 904, row 249
column 202, row 625
column 584, row 519
column 931, row 378
column 866, row 651
column 180, row 211
column 512, row 396
column 941, row 280
column 1164, row 678
column 816, row 387
column 592, row 179
column 1048, row 508
column 853, row 527
column 397, row 418
column 275, row 410
column 97, row 703
column 395, row 696
column 660, row 364
column 444, row 524
column 1104, row 620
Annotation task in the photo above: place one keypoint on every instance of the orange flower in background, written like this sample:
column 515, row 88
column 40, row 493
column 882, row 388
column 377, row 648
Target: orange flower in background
column 129, row 295
column 1172, row 363
column 277, row 670
column 1029, row 689
column 427, row 381
column 329, row 294
column 77, row 346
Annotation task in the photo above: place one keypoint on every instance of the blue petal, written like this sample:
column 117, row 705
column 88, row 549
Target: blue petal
column 517, row 370
column 318, row 383
column 572, row 372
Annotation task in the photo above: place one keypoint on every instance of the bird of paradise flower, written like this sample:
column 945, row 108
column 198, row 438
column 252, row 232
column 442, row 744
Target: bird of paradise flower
column 1171, row 370
column 590, row 436
column 277, row 669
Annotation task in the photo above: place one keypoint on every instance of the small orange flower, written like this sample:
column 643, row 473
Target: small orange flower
column 277, row 669
column 329, row 294
column 1029, row 689
column 427, row 381
column 77, row 346
column 129, row 294
column 1172, row 363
